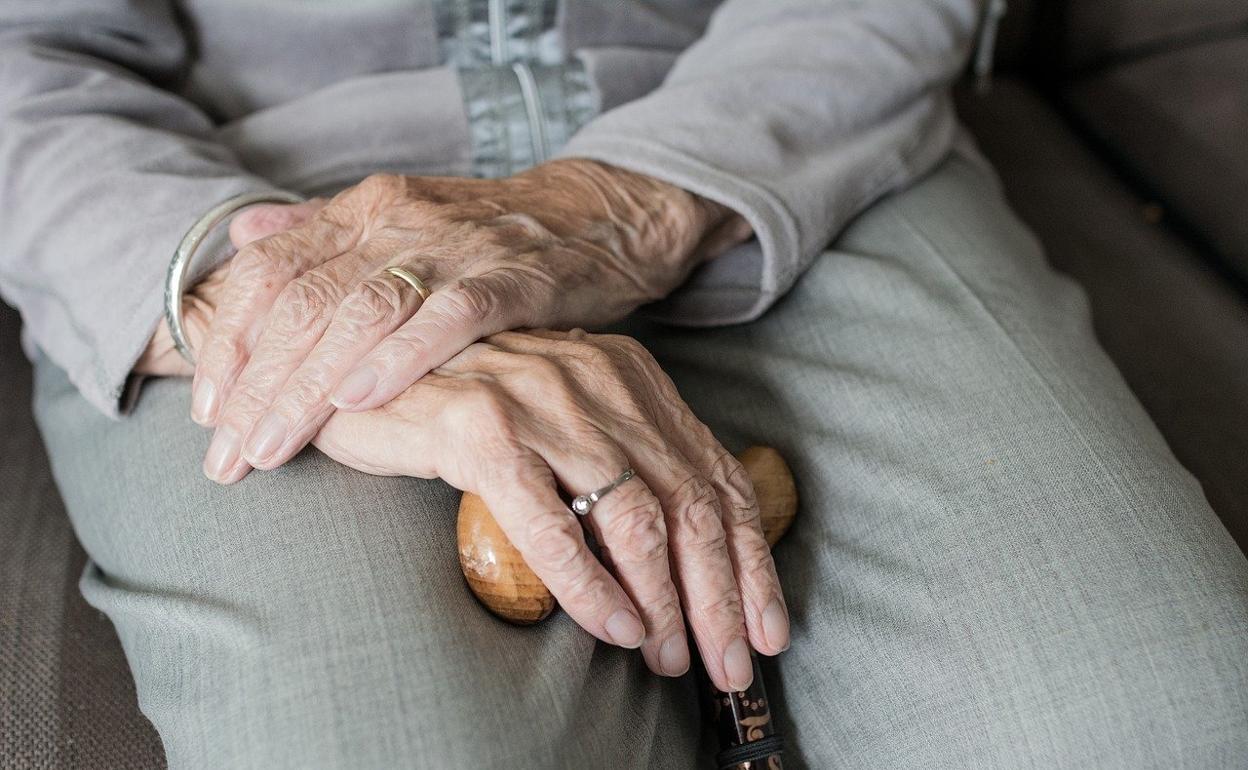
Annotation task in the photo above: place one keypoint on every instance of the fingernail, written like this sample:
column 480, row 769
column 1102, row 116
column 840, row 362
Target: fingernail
column 625, row 629
column 674, row 655
column 266, row 438
column 737, row 665
column 204, row 405
column 776, row 626
column 222, row 454
column 355, row 388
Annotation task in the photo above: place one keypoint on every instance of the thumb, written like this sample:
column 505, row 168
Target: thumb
column 261, row 221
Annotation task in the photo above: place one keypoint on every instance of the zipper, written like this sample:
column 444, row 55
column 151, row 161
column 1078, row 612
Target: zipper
column 498, row 31
column 538, row 135
column 985, row 46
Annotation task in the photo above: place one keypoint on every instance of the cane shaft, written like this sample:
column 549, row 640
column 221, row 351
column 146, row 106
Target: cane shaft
column 498, row 576
column 743, row 720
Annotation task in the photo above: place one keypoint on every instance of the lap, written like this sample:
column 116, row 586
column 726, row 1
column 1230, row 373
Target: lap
column 315, row 617
column 997, row 560
column 996, row 554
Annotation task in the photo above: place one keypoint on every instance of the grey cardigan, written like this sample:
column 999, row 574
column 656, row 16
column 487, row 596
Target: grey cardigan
column 121, row 121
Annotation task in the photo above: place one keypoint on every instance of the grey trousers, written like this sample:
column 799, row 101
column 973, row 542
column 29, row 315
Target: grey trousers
column 997, row 563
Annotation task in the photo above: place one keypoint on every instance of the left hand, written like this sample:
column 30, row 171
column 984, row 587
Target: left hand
column 161, row 358
column 309, row 320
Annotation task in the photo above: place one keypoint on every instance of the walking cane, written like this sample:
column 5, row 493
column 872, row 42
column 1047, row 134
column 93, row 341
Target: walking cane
column 497, row 575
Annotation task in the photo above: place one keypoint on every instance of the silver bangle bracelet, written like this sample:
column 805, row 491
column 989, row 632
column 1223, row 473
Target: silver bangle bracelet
column 179, row 266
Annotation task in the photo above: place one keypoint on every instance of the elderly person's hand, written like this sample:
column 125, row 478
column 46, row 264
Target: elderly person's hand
column 309, row 319
column 518, row 416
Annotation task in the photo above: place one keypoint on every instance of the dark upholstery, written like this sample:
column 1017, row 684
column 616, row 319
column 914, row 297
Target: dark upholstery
column 1178, row 122
column 1175, row 328
column 1159, row 85
column 66, row 699
column 1093, row 32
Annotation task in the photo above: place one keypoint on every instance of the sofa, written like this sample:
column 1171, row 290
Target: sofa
column 1120, row 132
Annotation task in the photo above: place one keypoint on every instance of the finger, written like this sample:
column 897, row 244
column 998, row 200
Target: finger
column 300, row 316
column 703, row 569
column 454, row 316
column 628, row 524
column 375, row 307
column 258, row 274
column 766, row 612
column 523, row 498
column 256, row 222
column 698, row 546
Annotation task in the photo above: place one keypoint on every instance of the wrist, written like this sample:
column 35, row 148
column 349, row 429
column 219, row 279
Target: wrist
column 652, row 223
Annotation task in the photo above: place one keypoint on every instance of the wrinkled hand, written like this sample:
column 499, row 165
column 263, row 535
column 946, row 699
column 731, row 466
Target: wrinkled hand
column 309, row 321
column 519, row 415
column 161, row 358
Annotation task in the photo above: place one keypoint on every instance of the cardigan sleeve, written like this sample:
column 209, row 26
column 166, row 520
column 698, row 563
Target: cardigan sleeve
column 101, row 172
column 797, row 114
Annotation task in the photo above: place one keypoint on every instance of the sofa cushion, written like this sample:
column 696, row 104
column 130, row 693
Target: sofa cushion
column 66, row 697
column 1171, row 323
column 1092, row 32
column 1178, row 122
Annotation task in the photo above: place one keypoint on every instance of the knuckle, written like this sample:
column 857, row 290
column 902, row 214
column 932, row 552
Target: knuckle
column 754, row 558
column 637, row 533
column 485, row 413
column 721, row 609
column 730, row 476
column 666, row 612
column 592, row 589
column 540, row 374
column 696, row 516
column 303, row 393
column 370, row 302
column 304, row 302
column 469, row 300
column 245, row 403
column 399, row 351
column 555, row 542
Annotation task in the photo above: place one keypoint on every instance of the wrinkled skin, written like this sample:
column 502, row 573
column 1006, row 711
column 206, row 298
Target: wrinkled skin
column 520, row 415
column 517, row 416
column 309, row 321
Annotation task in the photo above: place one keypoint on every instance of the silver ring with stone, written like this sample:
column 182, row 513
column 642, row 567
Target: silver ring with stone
column 179, row 266
column 583, row 504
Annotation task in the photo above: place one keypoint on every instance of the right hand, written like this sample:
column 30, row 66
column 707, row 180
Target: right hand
column 519, row 415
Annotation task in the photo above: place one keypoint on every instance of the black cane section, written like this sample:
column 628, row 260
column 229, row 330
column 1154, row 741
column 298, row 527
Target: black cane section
column 746, row 730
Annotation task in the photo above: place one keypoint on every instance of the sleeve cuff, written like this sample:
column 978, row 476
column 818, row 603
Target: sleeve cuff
column 115, row 389
column 737, row 286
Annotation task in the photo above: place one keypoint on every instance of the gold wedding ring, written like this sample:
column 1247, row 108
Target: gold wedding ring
column 411, row 279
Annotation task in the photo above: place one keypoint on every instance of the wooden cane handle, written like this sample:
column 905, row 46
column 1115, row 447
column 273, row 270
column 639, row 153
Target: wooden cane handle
column 498, row 576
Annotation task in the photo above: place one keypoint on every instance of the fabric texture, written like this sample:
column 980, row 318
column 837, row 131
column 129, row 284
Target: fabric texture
column 66, row 696
column 121, row 123
column 1172, row 322
column 998, row 561
column 1178, row 122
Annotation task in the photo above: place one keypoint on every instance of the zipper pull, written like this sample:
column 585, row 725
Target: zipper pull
column 985, row 45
